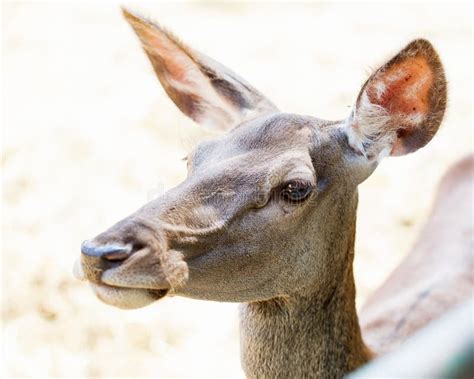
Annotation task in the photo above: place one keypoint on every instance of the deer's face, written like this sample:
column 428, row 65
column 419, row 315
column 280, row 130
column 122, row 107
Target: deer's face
column 238, row 228
column 263, row 206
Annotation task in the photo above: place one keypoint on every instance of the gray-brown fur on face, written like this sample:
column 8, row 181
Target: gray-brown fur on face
column 264, row 237
column 229, row 222
column 227, row 233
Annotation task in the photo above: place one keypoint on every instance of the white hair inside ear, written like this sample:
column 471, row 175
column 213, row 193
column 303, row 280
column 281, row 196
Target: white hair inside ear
column 363, row 129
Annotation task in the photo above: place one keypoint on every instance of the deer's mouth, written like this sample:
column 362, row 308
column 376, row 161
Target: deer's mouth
column 120, row 297
column 133, row 283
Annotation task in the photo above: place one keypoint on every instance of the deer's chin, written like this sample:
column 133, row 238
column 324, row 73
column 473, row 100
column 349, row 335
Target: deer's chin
column 127, row 298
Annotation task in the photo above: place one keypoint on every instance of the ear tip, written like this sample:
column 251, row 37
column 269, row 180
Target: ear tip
column 422, row 46
column 421, row 42
column 134, row 17
column 129, row 14
column 139, row 22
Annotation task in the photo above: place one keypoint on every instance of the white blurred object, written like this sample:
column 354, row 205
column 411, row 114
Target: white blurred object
column 443, row 349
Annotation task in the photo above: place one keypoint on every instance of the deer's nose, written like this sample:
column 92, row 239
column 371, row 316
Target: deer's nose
column 97, row 258
column 109, row 252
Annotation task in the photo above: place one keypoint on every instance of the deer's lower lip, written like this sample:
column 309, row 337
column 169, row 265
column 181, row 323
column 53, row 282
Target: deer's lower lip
column 78, row 273
column 119, row 284
column 126, row 298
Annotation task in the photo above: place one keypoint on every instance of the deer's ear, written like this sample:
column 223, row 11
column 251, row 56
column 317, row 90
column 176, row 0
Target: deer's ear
column 203, row 89
column 401, row 106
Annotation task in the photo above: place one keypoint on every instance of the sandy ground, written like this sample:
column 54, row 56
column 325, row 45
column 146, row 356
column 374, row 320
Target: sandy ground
column 89, row 136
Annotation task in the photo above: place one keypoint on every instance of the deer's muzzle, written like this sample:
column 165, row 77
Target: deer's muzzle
column 128, row 267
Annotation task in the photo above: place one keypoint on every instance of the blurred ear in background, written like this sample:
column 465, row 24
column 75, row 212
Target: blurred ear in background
column 201, row 88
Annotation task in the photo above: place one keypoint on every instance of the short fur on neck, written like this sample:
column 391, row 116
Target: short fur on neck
column 312, row 335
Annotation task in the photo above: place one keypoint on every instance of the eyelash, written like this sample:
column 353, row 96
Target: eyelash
column 296, row 191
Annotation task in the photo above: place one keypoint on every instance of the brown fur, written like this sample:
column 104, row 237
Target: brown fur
column 315, row 334
column 436, row 275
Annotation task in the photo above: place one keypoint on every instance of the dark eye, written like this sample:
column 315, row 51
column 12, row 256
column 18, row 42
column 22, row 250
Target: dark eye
column 296, row 190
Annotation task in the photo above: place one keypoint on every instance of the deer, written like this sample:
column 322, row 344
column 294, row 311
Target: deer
column 266, row 216
column 436, row 274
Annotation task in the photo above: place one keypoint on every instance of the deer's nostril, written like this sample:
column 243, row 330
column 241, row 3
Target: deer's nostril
column 117, row 255
column 112, row 252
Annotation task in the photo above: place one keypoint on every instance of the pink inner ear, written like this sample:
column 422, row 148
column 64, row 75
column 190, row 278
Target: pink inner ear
column 403, row 88
column 173, row 59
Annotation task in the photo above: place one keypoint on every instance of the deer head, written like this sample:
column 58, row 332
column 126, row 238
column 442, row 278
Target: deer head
column 268, row 207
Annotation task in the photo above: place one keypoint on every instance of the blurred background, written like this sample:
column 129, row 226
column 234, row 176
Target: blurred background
column 89, row 136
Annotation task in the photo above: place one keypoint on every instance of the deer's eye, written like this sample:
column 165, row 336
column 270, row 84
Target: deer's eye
column 296, row 191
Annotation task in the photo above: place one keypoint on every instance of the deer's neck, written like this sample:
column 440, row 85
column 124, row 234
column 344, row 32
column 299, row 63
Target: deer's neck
column 315, row 335
column 302, row 337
